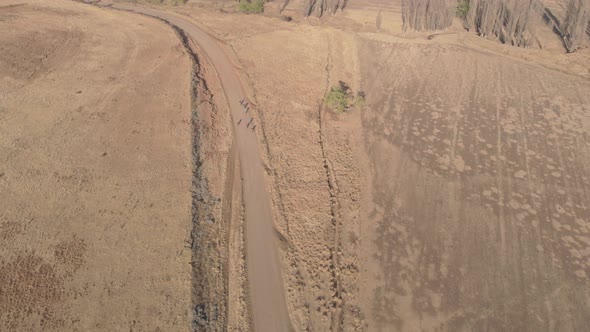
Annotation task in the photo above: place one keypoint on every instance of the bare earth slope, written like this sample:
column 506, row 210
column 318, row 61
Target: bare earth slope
column 477, row 196
column 95, row 170
column 267, row 297
column 455, row 200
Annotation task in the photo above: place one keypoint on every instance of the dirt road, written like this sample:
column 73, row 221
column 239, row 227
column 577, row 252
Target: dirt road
column 264, row 271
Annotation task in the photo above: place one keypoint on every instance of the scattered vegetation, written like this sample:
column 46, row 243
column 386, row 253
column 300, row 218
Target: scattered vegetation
column 576, row 24
column 341, row 99
column 360, row 99
column 427, row 15
column 251, row 6
column 510, row 21
column 462, row 9
column 320, row 7
column 337, row 99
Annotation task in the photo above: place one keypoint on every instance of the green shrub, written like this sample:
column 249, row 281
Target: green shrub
column 340, row 98
column 360, row 99
column 251, row 6
column 463, row 8
column 337, row 99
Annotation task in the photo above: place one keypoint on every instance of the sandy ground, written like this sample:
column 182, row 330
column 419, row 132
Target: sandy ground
column 95, row 170
column 266, row 294
column 476, row 206
column 454, row 199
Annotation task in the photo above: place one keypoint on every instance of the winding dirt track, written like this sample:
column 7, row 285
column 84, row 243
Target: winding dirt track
column 267, row 297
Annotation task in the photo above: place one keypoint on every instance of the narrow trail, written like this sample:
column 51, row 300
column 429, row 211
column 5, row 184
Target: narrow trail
column 337, row 300
column 267, row 297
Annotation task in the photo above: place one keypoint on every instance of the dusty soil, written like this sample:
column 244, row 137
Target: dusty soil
column 95, row 171
column 476, row 204
column 266, row 294
column 453, row 200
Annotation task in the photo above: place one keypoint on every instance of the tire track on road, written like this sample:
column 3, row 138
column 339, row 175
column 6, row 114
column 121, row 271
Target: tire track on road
column 267, row 295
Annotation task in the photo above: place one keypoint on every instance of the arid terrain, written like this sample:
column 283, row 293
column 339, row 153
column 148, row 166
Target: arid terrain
column 135, row 193
column 95, row 164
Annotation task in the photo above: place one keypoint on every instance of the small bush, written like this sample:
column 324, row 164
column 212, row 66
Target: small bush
column 341, row 99
column 360, row 99
column 337, row 99
column 462, row 9
column 251, row 6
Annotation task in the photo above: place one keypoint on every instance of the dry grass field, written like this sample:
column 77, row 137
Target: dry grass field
column 95, row 164
column 454, row 198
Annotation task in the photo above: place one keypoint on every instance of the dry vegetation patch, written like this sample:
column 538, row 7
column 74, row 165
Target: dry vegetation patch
column 95, row 171
column 454, row 160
